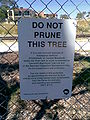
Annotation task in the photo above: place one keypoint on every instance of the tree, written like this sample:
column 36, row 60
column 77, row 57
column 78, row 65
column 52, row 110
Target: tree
column 4, row 6
column 88, row 15
column 84, row 13
column 3, row 12
column 2, row 15
column 81, row 15
column 64, row 16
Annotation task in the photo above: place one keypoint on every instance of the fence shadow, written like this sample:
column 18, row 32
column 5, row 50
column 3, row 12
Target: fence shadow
column 46, row 105
column 79, row 57
column 83, row 77
column 3, row 98
column 7, row 88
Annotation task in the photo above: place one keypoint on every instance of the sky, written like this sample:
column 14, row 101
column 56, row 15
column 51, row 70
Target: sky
column 68, row 6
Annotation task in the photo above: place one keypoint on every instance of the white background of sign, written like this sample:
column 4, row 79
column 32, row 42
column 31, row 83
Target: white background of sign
column 46, row 72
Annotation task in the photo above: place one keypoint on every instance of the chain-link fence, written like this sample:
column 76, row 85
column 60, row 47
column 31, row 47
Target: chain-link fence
column 77, row 107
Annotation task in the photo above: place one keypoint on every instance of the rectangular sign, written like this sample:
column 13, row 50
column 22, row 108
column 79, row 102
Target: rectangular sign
column 46, row 54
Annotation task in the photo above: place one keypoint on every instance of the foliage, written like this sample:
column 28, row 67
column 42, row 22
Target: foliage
column 88, row 15
column 81, row 15
column 3, row 12
column 64, row 16
column 4, row 6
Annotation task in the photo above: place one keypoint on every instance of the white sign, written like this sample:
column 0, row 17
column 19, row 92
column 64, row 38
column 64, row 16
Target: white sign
column 46, row 54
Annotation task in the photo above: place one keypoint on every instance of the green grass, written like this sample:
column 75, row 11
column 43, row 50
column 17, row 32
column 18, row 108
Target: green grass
column 82, row 72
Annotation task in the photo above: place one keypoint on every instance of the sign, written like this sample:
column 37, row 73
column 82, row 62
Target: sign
column 46, row 54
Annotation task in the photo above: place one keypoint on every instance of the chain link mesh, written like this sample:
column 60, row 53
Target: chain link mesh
column 77, row 107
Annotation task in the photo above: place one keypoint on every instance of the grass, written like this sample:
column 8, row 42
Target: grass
column 81, row 39
column 83, row 26
column 82, row 72
column 5, row 28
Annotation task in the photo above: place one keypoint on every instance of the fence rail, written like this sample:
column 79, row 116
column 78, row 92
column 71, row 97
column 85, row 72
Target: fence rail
column 77, row 107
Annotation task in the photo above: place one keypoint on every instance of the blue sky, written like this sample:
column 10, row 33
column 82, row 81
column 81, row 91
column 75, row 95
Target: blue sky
column 53, row 6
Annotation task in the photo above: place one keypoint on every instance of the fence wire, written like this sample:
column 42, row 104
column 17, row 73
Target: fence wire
column 77, row 107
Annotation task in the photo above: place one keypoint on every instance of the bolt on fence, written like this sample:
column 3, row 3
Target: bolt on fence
column 77, row 107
